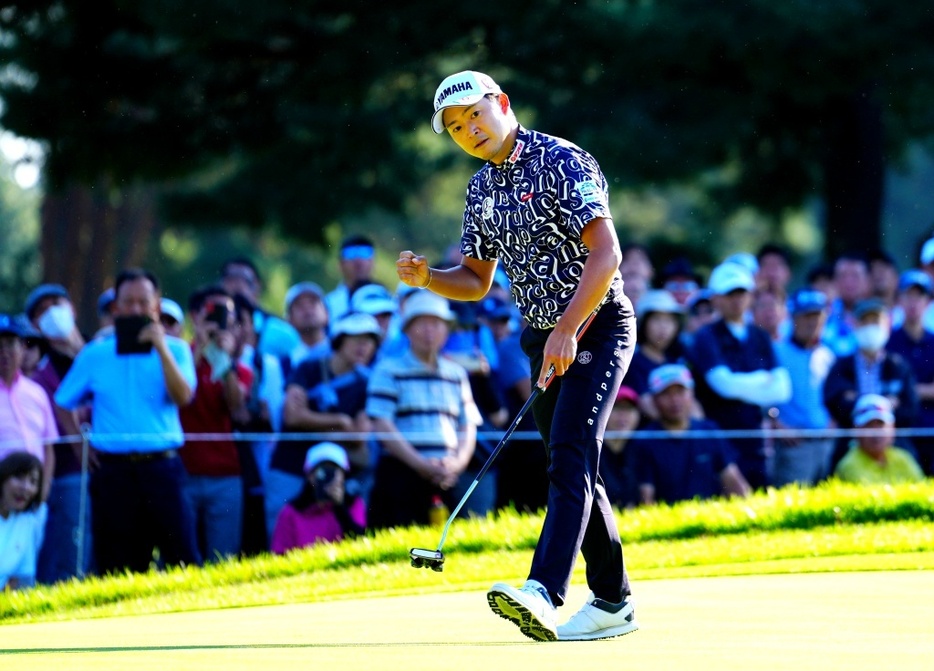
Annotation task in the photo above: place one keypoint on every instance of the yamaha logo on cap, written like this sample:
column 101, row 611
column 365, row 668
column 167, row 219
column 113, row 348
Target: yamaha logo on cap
column 463, row 88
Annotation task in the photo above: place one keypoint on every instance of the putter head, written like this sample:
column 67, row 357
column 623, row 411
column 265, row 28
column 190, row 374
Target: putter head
column 433, row 559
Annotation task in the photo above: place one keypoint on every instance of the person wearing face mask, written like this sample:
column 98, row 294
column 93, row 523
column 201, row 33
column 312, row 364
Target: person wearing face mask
column 49, row 309
column 870, row 370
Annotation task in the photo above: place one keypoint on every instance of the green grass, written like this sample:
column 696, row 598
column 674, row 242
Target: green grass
column 832, row 527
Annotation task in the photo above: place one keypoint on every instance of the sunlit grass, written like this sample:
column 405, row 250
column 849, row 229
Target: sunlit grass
column 833, row 527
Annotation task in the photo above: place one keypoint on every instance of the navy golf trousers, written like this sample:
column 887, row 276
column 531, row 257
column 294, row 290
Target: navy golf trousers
column 571, row 416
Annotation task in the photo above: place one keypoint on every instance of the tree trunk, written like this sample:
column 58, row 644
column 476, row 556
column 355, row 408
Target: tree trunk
column 854, row 176
column 89, row 233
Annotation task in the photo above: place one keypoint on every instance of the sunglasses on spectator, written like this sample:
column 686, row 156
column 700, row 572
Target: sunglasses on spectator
column 357, row 252
column 32, row 342
column 168, row 321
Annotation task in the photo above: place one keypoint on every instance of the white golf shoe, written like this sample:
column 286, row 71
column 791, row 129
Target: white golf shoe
column 529, row 608
column 599, row 619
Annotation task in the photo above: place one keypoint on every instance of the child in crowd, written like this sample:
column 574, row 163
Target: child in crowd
column 22, row 519
column 322, row 511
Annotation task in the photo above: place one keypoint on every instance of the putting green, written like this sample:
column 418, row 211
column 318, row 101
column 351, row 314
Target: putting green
column 860, row 620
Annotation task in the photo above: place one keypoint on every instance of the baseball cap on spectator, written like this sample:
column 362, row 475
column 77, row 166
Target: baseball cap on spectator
column 40, row 293
column 744, row 259
column 172, row 309
column 105, row 300
column 326, row 452
column 729, row 277
column 657, row 300
column 461, row 89
column 927, row 253
column 627, row 394
column 670, row 374
column 300, row 288
column 872, row 406
column 372, row 299
column 356, row 323
column 426, row 304
column 10, row 325
column 867, row 306
column 916, row 278
column 804, row 301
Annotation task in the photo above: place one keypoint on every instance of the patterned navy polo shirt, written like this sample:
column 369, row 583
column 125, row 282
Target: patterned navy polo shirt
column 529, row 213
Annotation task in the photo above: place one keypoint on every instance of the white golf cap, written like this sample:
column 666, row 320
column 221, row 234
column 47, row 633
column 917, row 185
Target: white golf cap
column 426, row 304
column 658, row 300
column 372, row 299
column 872, row 406
column 729, row 277
column 326, row 452
column 927, row 252
column 460, row 90
column 356, row 323
column 169, row 307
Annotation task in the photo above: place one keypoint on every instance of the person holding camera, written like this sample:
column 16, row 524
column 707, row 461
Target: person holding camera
column 136, row 379
column 323, row 511
column 327, row 394
column 215, row 488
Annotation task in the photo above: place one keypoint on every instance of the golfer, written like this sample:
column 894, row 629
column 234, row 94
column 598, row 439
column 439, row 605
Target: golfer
column 540, row 206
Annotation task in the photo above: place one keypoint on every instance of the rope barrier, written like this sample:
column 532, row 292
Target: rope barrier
column 430, row 438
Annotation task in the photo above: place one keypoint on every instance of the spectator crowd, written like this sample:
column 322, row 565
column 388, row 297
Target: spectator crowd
column 198, row 416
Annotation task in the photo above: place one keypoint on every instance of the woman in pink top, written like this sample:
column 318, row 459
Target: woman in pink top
column 322, row 511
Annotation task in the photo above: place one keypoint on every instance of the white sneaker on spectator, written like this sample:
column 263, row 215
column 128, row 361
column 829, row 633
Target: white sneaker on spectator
column 529, row 608
column 599, row 619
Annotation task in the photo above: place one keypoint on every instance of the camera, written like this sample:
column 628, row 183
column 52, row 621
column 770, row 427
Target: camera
column 127, row 329
column 325, row 474
column 218, row 312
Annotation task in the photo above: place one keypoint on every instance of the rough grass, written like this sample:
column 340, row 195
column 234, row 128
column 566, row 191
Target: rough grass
column 832, row 527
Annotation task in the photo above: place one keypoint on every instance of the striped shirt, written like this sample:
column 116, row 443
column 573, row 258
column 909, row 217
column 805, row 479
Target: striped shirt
column 428, row 406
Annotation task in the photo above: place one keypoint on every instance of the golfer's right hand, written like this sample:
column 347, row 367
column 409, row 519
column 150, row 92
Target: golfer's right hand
column 413, row 269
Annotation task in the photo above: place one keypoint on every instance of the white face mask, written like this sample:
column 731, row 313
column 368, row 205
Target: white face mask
column 871, row 337
column 57, row 322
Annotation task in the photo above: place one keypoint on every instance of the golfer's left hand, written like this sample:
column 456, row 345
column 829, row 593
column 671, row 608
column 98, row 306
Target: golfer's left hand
column 560, row 352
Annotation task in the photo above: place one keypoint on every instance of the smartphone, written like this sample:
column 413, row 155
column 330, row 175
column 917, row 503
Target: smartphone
column 217, row 312
column 127, row 328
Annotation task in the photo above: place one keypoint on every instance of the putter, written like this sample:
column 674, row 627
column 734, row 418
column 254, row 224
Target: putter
column 434, row 559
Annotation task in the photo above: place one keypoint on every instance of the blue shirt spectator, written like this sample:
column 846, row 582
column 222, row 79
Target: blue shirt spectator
column 737, row 372
column 128, row 395
column 851, row 284
column 135, row 396
column 804, row 459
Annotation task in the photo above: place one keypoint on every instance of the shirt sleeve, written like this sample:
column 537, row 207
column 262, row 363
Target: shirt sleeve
column 76, row 384
column 50, row 430
column 760, row 387
column 475, row 243
column 585, row 192
column 181, row 352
